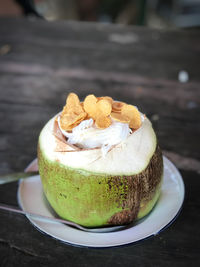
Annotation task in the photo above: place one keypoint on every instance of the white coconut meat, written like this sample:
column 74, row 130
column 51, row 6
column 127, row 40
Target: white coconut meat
column 87, row 135
column 129, row 157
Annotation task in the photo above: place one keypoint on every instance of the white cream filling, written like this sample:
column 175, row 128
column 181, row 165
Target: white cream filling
column 87, row 135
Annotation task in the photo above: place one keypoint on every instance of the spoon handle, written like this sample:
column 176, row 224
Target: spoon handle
column 41, row 217
column 4, row 179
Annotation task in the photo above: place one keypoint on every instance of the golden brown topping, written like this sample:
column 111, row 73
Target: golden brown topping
column 101, row 109
column 107, row 98
column 72, row 114
column 89, row 105
column 104, row 107
column 117, row 106
column 103, row 122
column 120, row 117
column 70, row 120
column 133, row 114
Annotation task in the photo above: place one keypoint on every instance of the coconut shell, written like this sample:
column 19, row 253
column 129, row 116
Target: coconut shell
column 126, row 193
column 140, row 188
column 93, row 191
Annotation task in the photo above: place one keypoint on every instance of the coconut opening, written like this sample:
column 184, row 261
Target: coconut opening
column 130, row 156
column 97, row 122
column 87, row 136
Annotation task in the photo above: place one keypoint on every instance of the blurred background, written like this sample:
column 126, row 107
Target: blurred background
column 151, row 13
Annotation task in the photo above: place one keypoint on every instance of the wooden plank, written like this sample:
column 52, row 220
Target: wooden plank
column 139, row 51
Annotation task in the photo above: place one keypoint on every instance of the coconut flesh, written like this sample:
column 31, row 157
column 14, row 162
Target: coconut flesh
column 95, row 190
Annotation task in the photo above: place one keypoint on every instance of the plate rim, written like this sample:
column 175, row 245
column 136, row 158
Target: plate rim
column 162, row 228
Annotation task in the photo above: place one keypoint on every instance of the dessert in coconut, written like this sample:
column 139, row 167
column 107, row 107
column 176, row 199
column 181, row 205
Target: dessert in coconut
column 99, row 162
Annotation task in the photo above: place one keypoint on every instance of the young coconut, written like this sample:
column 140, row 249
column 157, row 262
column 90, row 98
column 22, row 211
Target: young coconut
column 101, row 165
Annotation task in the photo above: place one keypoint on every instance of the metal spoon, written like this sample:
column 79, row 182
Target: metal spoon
column 8, row 178
column 57, row 220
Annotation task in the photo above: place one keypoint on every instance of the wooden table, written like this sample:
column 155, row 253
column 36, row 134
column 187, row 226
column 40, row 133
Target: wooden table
column 40, row 63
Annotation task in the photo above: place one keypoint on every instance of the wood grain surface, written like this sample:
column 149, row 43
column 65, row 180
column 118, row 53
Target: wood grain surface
column 40, row 63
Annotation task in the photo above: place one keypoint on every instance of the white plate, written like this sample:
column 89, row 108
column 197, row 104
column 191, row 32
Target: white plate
column 31, row 198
